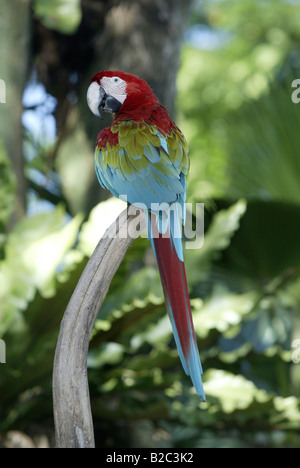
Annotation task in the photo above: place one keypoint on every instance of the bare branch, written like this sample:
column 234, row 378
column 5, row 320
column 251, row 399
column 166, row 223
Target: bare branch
column 72, row 411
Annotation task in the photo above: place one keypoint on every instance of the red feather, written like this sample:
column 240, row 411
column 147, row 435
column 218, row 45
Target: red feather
column 141, row 104
column 173, row 278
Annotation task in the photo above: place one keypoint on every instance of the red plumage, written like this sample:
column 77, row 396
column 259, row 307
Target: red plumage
column 163, row 180
column 141, row 104
column 174, row 283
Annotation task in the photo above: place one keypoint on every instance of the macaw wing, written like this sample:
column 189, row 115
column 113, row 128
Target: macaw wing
column 145, row 165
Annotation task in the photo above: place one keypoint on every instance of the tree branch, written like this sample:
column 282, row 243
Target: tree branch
column 72, row 411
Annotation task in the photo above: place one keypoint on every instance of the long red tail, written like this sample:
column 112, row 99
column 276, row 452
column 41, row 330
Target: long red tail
column 173, row 278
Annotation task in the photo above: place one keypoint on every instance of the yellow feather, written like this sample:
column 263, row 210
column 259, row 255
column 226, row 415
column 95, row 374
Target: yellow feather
column 140, row 165
column 124, row 130
column 126, row 167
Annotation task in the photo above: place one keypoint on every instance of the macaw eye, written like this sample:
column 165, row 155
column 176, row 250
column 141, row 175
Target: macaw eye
column 116, row 80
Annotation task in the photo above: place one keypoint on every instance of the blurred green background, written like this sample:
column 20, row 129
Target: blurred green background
column 225, row 69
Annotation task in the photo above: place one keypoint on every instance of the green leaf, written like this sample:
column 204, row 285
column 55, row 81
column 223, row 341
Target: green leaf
column 33, row 255
column 267, row 243
column 63, row 16
column 224, row 225
column 222, row 311
column 269, row 167
column 101, row 217
column 109, row 353
column 288, row 412
column 232, row 392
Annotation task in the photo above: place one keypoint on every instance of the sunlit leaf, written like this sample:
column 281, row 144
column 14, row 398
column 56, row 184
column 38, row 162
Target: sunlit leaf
column 222, row 310
column 33, row 255
column 61, row 15
column 101, row 217
column 233, row 392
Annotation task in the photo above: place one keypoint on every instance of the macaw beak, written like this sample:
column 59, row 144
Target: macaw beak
column 98, row 99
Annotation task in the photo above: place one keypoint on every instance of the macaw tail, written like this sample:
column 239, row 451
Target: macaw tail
column 173, row 278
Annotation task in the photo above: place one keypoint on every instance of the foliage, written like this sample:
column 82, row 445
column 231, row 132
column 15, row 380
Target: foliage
column 240, row 48
column 235, row 108
column 63, row 16
column 7, row 187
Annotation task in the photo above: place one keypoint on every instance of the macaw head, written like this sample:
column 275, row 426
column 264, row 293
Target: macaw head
column 112, row 91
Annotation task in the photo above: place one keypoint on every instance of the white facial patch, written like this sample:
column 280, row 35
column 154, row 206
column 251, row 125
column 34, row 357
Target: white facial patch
column 93, row 95
column 115, row 87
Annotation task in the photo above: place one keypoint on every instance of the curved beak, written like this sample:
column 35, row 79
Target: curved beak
column 98, row 99
column 95, row 96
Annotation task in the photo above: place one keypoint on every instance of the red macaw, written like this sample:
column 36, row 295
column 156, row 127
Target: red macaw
column 144, row 156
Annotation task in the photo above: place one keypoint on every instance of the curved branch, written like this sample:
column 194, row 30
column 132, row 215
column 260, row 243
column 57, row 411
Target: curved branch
column 72, row 411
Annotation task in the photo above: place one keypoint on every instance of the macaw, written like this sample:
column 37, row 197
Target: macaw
column 144, row 156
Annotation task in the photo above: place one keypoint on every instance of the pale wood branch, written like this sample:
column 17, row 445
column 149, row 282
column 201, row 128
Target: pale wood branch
column 72, row 410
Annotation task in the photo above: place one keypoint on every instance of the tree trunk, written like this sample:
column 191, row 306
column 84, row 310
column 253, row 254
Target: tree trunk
column 145, row 37
column 15, row 31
